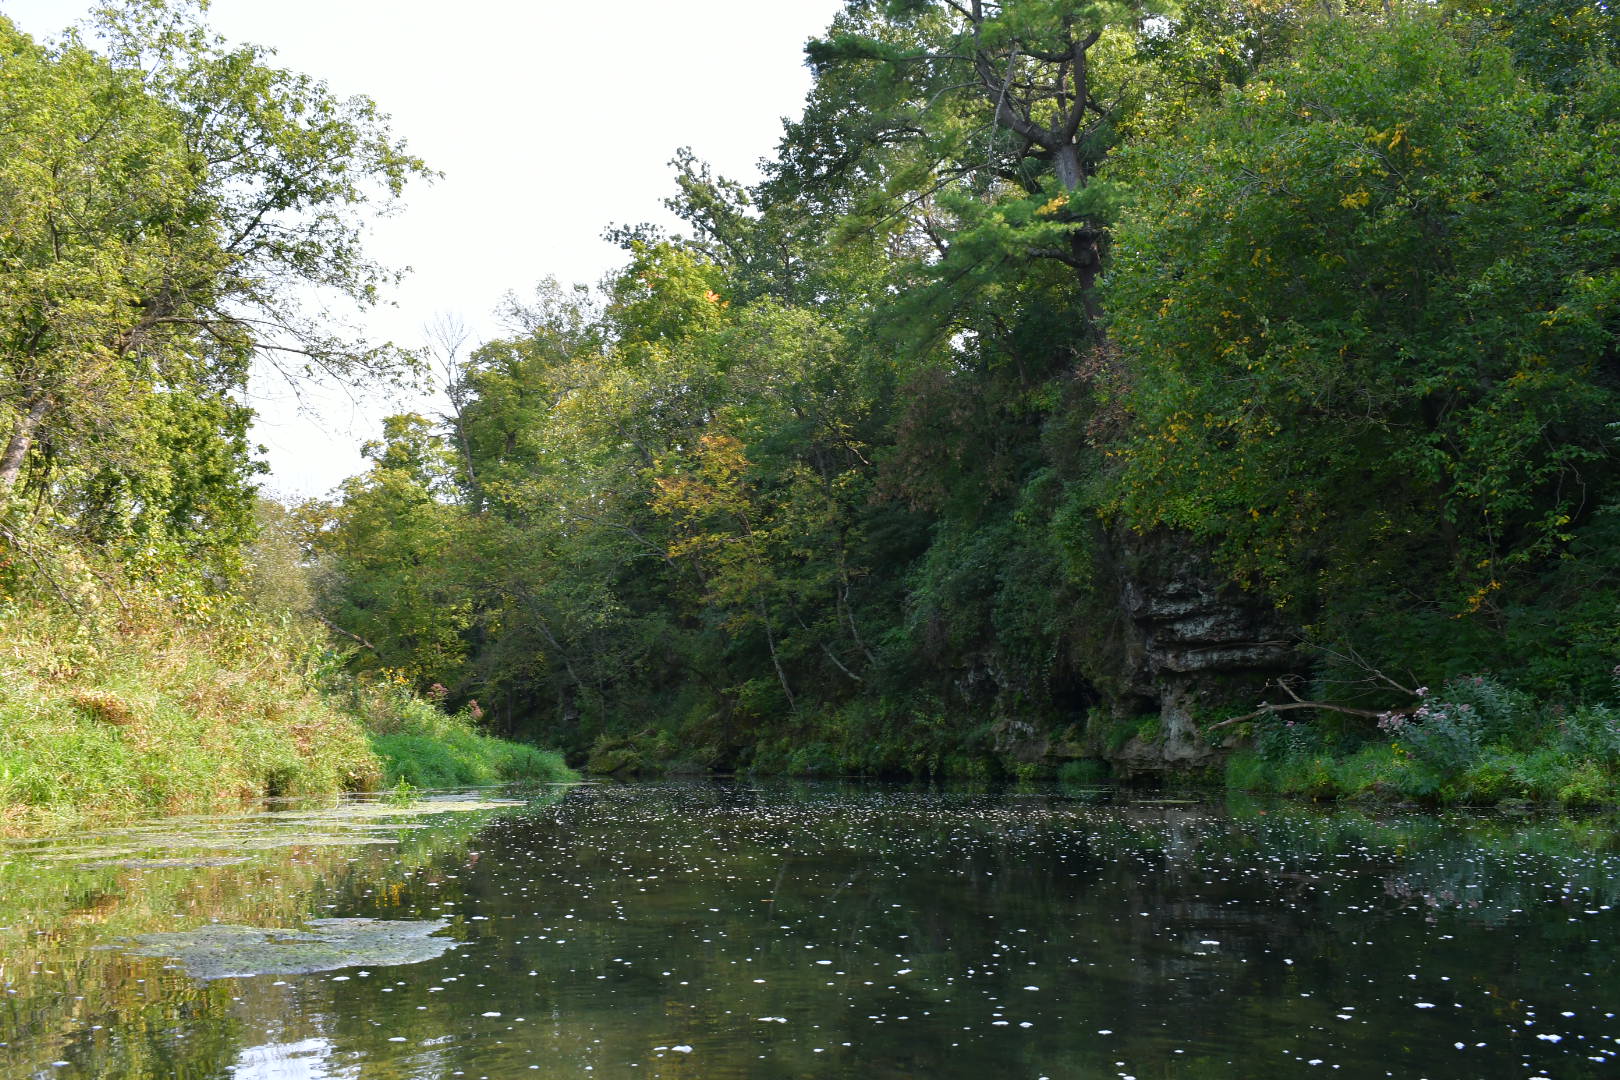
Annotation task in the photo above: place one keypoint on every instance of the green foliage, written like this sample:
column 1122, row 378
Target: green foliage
column 120, row 697
column 170, row 202
column 396, row 548
column 1336, row 369
column 881, row 457
column 1476, row 741
column 1591, row 732
column 1443, row 736
column 422, row 747
column 1557, row 42
column 1084, row 771
column 174, row 207
column 645, row 753
column 401, row 794
column 143, row 715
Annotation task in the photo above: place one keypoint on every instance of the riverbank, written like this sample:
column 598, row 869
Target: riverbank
column 1474, row 741
column 1550, row 773
column 118, row 718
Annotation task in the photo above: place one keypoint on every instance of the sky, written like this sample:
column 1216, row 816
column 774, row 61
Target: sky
column 521, row 104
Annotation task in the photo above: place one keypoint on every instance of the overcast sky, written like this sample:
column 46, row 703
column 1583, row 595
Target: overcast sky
column 522, row 104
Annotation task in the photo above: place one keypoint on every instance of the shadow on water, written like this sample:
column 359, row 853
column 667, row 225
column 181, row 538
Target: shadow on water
column 765, row 930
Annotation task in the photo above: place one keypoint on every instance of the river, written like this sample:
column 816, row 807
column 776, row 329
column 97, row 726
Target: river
column 771, row 930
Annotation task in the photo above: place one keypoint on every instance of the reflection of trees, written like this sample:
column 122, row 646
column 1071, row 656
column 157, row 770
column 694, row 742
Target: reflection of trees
column 114, row 1016
column 682, row 896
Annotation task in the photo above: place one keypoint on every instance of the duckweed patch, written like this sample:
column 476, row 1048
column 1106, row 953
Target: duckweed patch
column 166, row 864
column 222, row 951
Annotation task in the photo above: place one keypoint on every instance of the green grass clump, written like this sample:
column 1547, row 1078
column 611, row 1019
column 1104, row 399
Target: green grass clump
column 424, row 747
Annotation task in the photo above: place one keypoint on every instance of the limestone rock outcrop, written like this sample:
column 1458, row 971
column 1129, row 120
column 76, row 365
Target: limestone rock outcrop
column 1199, row 643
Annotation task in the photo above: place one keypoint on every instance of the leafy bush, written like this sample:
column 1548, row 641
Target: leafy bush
column 1278, row 740
column 813, row 759
column 1593, row 731
column 1448, row 732
column 647, row 752
column 1084, row 771
column 1439, row 734
column 1496, row 713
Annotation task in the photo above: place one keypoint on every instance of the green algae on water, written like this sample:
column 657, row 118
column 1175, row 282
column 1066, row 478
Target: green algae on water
column 223, row 951
column 348, row 823
column 200, row 863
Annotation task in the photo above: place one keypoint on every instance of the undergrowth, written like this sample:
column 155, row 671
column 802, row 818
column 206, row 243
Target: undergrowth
column 1475, row 742
column 152, row 716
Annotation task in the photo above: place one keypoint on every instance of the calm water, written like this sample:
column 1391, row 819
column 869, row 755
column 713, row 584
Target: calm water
column 771, row 931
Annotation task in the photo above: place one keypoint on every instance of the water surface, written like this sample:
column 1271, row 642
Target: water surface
column 728, row 930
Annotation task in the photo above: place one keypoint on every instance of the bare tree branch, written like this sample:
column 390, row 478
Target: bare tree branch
column 1285, row 683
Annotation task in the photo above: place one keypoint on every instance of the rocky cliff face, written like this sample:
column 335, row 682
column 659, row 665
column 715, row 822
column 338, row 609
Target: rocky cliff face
column 1197, row 643
column 1174, row 644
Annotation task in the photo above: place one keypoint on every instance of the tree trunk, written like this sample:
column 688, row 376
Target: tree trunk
column 1066, row 163
column 21, row 441
column 1087, row 255
column 770, row 643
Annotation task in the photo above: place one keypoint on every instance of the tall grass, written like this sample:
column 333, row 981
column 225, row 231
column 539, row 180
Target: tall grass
column 122, row 718
column 147, row 716
column 425, row 747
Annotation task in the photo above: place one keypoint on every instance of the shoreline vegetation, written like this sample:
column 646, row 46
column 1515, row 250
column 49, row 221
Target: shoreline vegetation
column 199, row 720
column 177, row 208
column 1073, row 382
column 1009, row 424
column 1477, row 744
column 134, row 702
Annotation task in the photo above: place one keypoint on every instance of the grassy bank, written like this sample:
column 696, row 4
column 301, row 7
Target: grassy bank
column 1473, row 742
column 121, row 718
column 424, row 747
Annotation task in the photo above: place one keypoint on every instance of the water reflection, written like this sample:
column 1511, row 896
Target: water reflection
column 308, row 1059
column 765, row 931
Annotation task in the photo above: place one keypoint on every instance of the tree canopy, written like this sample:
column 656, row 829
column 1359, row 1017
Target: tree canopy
column 172, row 205
column 1079, row 375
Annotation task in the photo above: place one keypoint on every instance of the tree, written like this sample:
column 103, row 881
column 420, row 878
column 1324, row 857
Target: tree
column 168, row 203
column 976, row 124
column 1367, row 312
column 390, row 557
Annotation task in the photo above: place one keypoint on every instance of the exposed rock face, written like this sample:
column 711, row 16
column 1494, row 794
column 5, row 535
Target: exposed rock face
column 1179, row 646
column 1170, row 645
column 1023, row 742
column 1198, row 643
